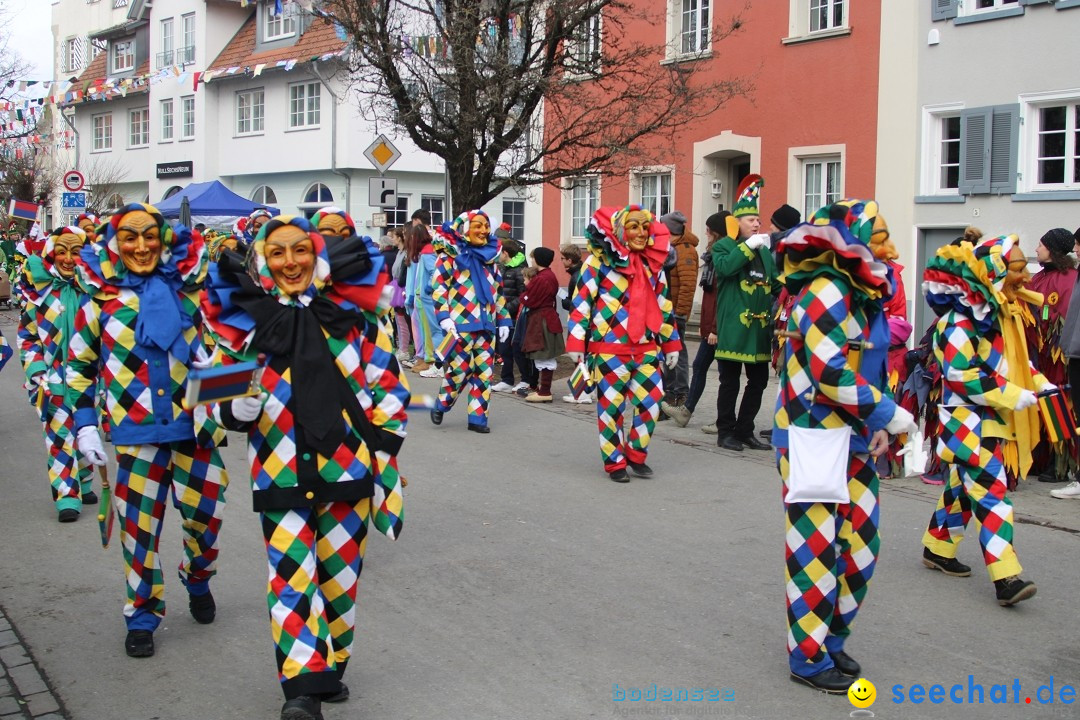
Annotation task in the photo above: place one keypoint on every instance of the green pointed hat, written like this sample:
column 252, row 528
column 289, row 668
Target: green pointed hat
column 746, row 197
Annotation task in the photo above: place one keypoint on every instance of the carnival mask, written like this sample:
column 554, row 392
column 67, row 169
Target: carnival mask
column 1017, row 275
column 333, row 225
column 254, row 225
column 138, row 239
column 479, row 231
column 66, row 248
column 88, row 227
column 290, row 257
column 637, row 227
column 229, row 243
column 881, row 243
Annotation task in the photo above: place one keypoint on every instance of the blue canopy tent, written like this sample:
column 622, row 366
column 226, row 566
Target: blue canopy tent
column 211, row 203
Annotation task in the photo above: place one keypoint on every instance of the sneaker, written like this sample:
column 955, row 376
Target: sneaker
column 431, row 372
column 407, row 363
column 139, row 643
column 202, row 607
column 949, row 566
column 678, row 413
column 525, row 391
column 933, row 480
column 709, row 429
column 502, row 387
column 585, row 398
column 1072, row 490
column 520, row 386
column 640, row 469
column 1012, row 590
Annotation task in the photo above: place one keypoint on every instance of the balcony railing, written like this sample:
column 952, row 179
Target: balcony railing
column 185, row 55
column 165, row 59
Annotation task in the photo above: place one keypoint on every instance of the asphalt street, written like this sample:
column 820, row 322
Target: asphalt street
column 527, row 585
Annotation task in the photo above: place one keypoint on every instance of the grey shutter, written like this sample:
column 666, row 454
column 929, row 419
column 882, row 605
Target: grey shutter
column 1004, row 135
column 975, row 136
column 943, row 9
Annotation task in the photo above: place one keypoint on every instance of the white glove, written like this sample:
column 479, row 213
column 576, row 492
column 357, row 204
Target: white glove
column 202, row 360
column 577, row 357
column 562, row 294
column 449, row 327
column 902, row 422
column 386, row 297
column 504, row 334
column 246, row 409
column 757, row 241
column 671, row 359
column 1027, row 399
column 89, row 444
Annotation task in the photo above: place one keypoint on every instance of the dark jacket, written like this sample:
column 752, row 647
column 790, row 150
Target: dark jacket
column 571, row 287
column 513, row 284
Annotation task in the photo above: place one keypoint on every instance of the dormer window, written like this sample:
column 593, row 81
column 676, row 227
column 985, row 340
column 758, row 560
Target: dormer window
column 123, row 55
column 279, row 20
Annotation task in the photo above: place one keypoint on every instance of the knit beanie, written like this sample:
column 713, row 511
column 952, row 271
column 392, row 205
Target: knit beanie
column 675, row 222
column 1058, row 241
column 717, row 222
column 785, row 217
column 543, row 256
column 503, row 232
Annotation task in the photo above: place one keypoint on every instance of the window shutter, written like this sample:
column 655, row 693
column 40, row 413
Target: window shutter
column 1004, row 136
column 975, row 136
column 943, row 9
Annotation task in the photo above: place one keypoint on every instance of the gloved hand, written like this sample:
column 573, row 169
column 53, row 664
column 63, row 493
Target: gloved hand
column 449, row 327
column 504, row 334
column 386, row 297
column 902, row 422
column 202, row 360
column 1027, row 399
column 577, row 357
column 671, row 359
column 89, row 444
column 247, row 409
column 757, row 241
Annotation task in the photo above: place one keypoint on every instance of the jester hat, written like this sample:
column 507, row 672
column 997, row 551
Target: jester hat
column 317, row 218
column 747, row 196
column 605, row 238
column 970, row 279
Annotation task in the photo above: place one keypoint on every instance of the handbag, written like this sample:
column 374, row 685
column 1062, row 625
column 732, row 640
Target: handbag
column 818, row 465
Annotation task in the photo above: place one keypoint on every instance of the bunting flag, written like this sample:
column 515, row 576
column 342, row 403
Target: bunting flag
column 22, row 209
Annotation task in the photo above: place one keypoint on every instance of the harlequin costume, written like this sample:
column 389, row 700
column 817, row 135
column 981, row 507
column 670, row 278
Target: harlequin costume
column 322, row 446
column 832, row 375
column 988, row 420
column 140, row 333
column 467, row 292
column 622, row 321
column 45, row 330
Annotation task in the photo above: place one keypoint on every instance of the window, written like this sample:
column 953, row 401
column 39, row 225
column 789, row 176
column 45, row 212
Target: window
column 102, row 132
column 655, row 193
column 583, row 53
column 166, row 120
column 948, row 157
column 399, row 216
column 98, row 46
column 694, row 26
column 139, row 128
column 73, row 54
column 264, row 195
column 826, row 14
column 249, row 112
column 434, row 206
column 165, row 57
column 513, row 212
column 814, row 19
column 1057, row 150
column 822, row 184
column 584, row 200
column 304, row 105
column 185, row 55
column 123, row 55
column 975, row 6
column 318, row 193
column 942, row 150
column 280, row 25
column 171, row 191
column 187, row 117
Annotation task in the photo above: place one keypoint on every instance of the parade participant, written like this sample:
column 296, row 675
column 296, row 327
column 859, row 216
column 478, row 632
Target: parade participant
column 255, row 221
column 988, row 419
column 139, row 331
column 88, row 222
column 467, row 292
column 1054, row 281
column 45, row 331
column 621, row 325
column 745, row 283
column 832, row 416
column 323, row 435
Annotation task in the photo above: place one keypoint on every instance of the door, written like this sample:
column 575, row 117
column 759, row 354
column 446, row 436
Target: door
column 929, row 242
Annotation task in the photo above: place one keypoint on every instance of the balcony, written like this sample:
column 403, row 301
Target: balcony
column 165, row 59
column 185, row 55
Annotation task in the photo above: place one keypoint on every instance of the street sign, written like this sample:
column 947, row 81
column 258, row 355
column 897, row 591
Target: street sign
column 378, row 220
column 382, row 192
column 73, row 200
column 382, row 154
column 74, row 181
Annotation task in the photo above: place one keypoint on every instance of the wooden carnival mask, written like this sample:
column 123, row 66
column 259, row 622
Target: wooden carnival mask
column 637, row 228
column 66, row 248
column 138, row 240
column 290, row 257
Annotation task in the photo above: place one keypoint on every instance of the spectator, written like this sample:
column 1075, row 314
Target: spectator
column 513, row 262
column 682, row 284
column 543, row 342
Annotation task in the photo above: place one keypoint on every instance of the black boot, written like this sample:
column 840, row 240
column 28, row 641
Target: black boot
column 202, row 607
column 139, row 643
column 339, row 697
column 1012, row 590
column 304, row 707
column 949, row 566
column 831, row 681
column 640, row 469
column 436, row 416
column 845, row 663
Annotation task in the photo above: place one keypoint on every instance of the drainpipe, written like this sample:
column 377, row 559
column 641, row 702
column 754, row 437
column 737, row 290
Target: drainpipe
column 333, row 139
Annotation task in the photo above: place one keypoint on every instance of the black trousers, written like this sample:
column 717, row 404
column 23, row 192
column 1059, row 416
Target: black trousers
column 757, row 378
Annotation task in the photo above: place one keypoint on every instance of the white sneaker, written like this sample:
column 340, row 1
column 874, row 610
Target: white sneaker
column 502, row 387
column 520, row 386
column 585, row 398
column 431, row 372
column 1072, row 490
column 709, row 429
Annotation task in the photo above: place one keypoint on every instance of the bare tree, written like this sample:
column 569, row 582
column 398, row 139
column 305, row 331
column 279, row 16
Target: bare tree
column 103, row 178
column 523, row 92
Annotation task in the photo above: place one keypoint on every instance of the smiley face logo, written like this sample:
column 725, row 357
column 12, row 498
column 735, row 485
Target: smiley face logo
column 862, row 693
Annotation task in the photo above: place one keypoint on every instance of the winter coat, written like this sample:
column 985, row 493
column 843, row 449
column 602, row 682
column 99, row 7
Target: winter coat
column 513, row 283
column 682, row 278
column 745, row 281
column 543, row 329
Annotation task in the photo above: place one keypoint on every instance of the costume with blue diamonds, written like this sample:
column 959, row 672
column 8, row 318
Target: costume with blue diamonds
column 831, row 378
column 467, row 290
column 323, row 449
column 138, row 333
column 45, row 330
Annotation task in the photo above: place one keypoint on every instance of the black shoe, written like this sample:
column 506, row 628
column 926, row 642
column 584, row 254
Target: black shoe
column 139, row 643
column 68, row 515
column 436, row 416
column 90, row 498
column 202, row 608
column 1051, row 477
column 1012, row 590
column 304, row 707
column 729, row 443
column 482, row 429
column 766, row 434
column 845, row 664
column 640, row 469
column 619, row 475
column 949, row 566
column 754, row 444
column 831, row 681
column 339, row 697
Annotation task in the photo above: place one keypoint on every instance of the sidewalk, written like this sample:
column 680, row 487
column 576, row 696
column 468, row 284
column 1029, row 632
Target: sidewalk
column 25, row 692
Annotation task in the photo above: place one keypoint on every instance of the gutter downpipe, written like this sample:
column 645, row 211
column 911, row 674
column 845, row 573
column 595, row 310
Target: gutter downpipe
column 333, row 139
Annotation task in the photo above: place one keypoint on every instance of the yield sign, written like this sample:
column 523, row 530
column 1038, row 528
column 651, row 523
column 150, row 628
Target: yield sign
column 382, row 153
